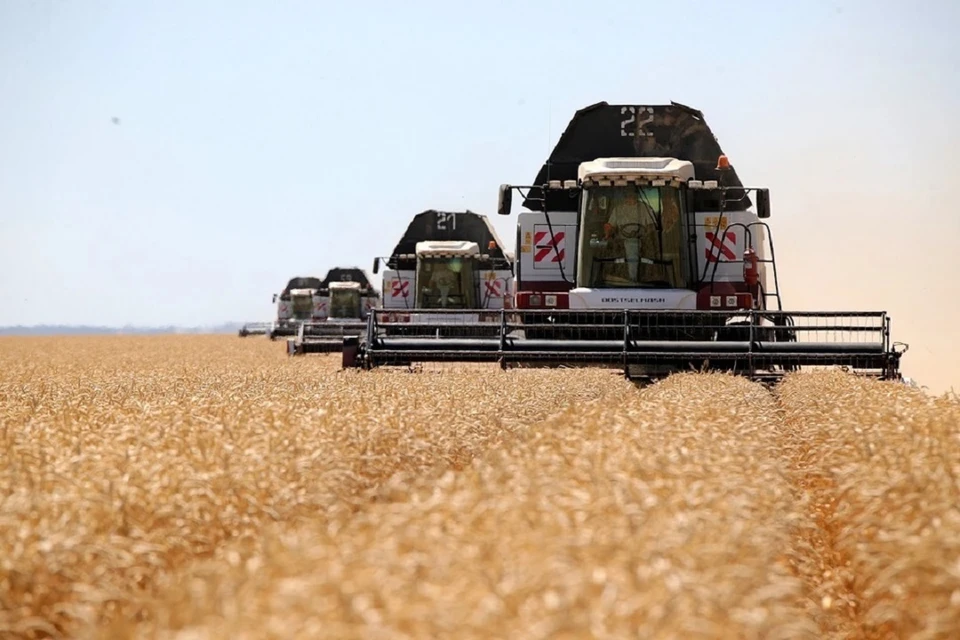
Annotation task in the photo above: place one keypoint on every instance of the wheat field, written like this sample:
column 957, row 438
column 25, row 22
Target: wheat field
column 189, row 487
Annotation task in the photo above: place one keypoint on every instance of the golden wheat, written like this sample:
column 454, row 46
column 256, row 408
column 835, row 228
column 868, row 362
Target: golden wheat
column 187, row 487
column 881, row 463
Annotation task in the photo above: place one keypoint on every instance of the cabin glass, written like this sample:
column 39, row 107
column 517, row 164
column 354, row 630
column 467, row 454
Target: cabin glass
column 446, row 283
column 344, row 303
column 631, row 237
column 302, row 306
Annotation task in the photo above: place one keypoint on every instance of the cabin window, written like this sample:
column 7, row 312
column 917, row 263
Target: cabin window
column 344, row 303
column 631, row 237
column 446, row 283
column 302, row 306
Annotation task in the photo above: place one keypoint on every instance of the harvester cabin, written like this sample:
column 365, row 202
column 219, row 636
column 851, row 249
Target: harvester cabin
column 345, row 300
column 301, row 303
column 448, row 260
column 296, row 299
column 345, row 293
column 632, row 231
column 447, row 275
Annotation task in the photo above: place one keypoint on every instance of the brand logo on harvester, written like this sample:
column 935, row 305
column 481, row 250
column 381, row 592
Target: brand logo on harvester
column 635, row 300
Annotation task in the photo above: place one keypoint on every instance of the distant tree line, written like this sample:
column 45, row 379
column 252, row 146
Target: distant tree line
column 63, row 329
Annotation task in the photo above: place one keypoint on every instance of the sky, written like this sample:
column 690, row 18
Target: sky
column 261, row 140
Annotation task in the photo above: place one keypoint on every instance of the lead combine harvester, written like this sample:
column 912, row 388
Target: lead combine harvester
column 446, row 274
column 341, row 303
column 641, row 249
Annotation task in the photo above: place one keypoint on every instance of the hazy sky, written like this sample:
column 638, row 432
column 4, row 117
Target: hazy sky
column 261, row 140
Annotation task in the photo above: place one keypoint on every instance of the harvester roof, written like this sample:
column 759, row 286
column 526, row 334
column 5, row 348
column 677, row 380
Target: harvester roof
column 346, row 274
column 337, row 285
column 604, row 130
column 432, row 225
column 448, row 248
column 301, row 282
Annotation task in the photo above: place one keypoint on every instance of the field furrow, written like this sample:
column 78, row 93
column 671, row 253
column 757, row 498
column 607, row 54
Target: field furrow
column 880, row 464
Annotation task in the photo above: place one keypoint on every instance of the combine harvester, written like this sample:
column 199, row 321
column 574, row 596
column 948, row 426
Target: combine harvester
column 341, row 303
column 294, row 304
column 255, row 329
column 438, row 282
column 642, row 250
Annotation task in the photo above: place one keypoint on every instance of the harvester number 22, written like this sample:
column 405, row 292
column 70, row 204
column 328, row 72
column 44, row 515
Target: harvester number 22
column 637, row 130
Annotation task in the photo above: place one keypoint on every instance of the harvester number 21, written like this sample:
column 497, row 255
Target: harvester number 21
column 637, row 130
column 446, row 221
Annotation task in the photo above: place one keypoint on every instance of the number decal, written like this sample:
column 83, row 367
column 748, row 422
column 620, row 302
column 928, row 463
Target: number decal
column 446, row 221
column 624, row 123
column 638, row 131
column 646, row 114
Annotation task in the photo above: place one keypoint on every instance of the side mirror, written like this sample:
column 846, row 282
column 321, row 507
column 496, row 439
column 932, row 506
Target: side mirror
column 763, row 203
column 274, row 297
column 505, row 200
column 376, row 265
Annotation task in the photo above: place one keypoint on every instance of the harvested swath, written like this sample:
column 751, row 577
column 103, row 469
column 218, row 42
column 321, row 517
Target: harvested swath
column 665, row 513
column 882, row 463
column 127, row 457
